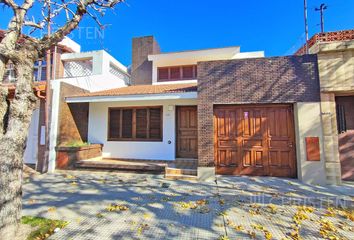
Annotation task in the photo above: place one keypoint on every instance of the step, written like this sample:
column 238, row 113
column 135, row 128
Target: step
column 181, row 177
column 181, row 171
column 121, row 165
column 183, row 164
column 186, row 160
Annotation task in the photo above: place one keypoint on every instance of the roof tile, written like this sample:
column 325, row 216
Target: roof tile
column 144, row 89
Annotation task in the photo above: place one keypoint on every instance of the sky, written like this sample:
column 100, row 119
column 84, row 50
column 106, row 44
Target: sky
column 273, row 26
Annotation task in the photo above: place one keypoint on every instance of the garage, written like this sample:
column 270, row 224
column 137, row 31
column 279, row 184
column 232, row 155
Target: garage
column 256, row 140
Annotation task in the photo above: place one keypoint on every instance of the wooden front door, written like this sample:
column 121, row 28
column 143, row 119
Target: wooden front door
column 187, row 132
column 254, row 140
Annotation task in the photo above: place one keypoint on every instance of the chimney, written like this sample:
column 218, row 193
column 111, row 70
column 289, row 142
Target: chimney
column 141, row 71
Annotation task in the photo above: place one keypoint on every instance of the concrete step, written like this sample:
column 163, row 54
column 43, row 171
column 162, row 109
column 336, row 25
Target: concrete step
column 122, row 165
column 186, row 160
column 180, row 171
column 184, row 163
column 181, row 177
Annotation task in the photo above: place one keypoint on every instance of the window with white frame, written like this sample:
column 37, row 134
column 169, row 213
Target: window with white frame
column 10, row 74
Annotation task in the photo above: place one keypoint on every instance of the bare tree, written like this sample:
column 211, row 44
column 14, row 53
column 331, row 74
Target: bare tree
column 23, row 50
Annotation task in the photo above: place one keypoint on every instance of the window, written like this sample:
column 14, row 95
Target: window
column 176, row 73
column 10, row 74
column 40, row 71
column 163, row 73
column 135, row 124
column 188, row 72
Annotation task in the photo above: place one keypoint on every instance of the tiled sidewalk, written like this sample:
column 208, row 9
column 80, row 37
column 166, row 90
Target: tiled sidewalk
column 149, row 207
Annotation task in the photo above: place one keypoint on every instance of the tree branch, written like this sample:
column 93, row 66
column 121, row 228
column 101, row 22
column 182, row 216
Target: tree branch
column 33, row 24
column 81, row 9
column 9, row 3
column 26, row 5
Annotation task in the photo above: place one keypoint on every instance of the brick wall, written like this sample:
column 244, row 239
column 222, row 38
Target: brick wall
column 73, row 117
column 263, row 80
column 59, row 68
column 141, row 72
column 345, row 35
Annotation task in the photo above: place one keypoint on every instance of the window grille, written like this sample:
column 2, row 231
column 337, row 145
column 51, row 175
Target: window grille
column 118, row 73
column 79, row 68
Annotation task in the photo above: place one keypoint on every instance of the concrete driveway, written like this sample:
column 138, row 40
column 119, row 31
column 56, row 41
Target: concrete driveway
column 103, row 205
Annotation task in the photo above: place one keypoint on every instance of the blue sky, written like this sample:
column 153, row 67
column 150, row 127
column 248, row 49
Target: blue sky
column 275, row 26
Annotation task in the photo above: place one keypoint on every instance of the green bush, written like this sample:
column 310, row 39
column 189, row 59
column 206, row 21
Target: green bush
column 75, row 144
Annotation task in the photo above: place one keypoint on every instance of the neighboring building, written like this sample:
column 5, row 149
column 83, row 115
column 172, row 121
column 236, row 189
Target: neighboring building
column 35, row 146
column 220, row 110
column 335, row 52
column 93, row 71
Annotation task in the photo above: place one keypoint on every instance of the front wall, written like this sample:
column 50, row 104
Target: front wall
column 336, row 70
column 330, row 138
column 97, row 133
column 73, row 117
column 292, row 79
column 263, row 80
column 308, row 124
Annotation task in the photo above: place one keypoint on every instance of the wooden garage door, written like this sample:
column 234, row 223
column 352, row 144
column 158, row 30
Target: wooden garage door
column 254, row 140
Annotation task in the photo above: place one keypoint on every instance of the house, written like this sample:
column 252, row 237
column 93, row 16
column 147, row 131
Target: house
column 335, row 51
column 217, row 111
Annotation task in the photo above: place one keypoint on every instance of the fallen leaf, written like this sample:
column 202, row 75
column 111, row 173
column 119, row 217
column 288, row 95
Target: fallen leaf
column 204, row 209
column 272, row 208
column 142, row 227
column 267, row 235
column 252, row 234
column 330, row 212
column 222, row 213
column 223, row 237
column 31, row 201
column 202, row 202
column 117, row 207
column 146, row 216
column 68, row 176
column 51, row 209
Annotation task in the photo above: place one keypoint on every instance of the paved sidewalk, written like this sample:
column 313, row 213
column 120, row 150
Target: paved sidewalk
column 103, row 205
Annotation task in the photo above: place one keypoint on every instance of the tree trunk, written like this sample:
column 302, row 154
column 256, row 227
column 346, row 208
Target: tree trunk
column 12, row 146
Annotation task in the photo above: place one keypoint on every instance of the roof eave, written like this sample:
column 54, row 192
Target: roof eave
column 139, row 97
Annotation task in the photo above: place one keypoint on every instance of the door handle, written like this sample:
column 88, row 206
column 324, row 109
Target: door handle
column 290, row 144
